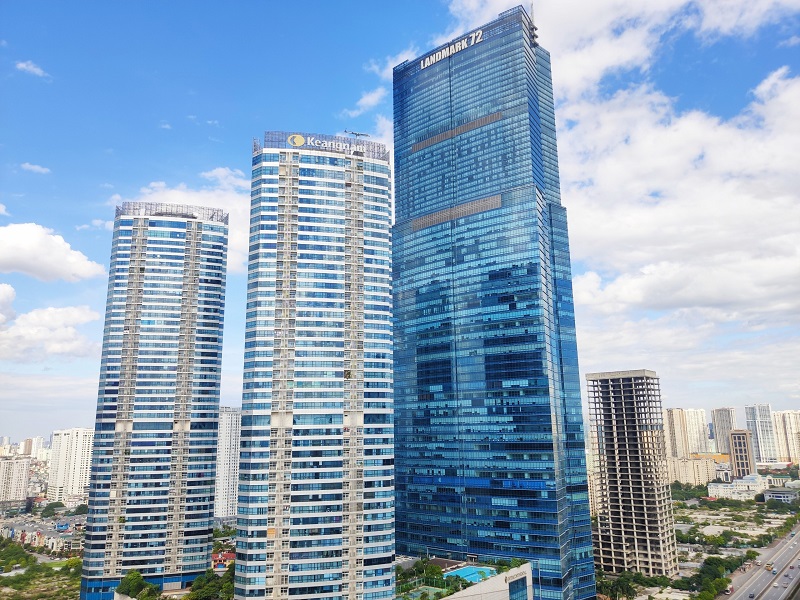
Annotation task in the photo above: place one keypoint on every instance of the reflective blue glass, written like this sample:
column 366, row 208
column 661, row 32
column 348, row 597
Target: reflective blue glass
column 490, row 443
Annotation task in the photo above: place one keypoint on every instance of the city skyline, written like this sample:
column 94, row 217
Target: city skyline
column 675, row 125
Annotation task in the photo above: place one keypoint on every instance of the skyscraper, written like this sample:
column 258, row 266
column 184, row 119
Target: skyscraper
column 787, row 435
column 760, row 423
column 230, row 421
column 743, row 462
column 724, row 420
column 490, row 446
column 151, row 488
column 696, row 430
column 635, row 525
column 70, row 461
column 316, row 510
column 676, row 432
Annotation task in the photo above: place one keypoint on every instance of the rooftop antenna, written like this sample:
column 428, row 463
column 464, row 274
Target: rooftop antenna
column 356, row 134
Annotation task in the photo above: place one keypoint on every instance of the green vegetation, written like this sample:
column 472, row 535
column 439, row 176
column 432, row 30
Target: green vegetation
column 712, row 579
column 37, row 581
column 682, row 492
column 134, row 585
column 81, row 509
column 225, row 532
column 50, row 510
column 210, row 586
column 12, row 554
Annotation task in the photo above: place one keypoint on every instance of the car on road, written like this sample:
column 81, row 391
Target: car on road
column 785, row 574
column 774, row 585
column 751, row 595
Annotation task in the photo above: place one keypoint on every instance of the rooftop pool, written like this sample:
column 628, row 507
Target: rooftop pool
column 473, row 574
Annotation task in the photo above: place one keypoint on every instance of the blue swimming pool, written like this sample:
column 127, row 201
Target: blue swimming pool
column 473, row 574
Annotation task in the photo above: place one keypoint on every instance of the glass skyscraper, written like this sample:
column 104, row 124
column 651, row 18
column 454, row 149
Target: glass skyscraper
column 490, row 441
column 316, row 488
column 151, row 487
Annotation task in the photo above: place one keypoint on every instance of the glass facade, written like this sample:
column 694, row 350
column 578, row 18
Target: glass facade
column 316, row 483
column 151, row 487
column 490, row 442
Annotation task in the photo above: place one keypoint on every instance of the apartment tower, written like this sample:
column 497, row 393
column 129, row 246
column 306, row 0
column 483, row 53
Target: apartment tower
column 759, row 422
column 490, row 443
column 743, row 461
column 635, row 525
column 151, row 488
column 230, row 421
column 787, row 435
column 724, row 420
column 70, row 462
column 316, row 494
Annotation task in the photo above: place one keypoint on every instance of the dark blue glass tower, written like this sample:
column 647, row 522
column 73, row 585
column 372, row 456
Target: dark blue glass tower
column 489, row 430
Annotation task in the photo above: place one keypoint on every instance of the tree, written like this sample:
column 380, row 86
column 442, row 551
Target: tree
column 131, row 584
column 81, row 509
column 50, row 509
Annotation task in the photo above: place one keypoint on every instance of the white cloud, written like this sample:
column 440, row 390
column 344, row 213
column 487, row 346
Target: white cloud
column 97, row 224
column 684, row 237
column 367, row 101
column 29, row 66
column 589, row 40
column 43, row 332
column 791, row 42
column 38, row 252
column 164, row 125
column 384, row 71
column 35, row 168
column 213, row 123
column 7, row 295
column 228, row 189
column 3, row 210
column 42, row 404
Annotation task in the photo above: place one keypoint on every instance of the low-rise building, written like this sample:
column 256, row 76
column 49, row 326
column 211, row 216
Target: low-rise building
column 745, row 488
column 783, row 494
column 694, row 471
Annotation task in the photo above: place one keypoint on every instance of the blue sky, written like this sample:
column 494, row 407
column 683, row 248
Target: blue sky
column 679, row 136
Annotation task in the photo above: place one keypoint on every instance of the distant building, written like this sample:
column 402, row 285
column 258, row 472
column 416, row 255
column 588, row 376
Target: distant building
column 745, row 488
column 14, row 476
column 724, row 420
column 31, row 446
column 70, row 463
column 635, row 525
column 694, row 471
column 696, row 430
column 675, row 432
column 743, row 461
column 782, row 494
column 230, row 420
column 787, row 435
column 760, row 423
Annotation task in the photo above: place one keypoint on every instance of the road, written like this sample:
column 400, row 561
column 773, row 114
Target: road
column 785, row 557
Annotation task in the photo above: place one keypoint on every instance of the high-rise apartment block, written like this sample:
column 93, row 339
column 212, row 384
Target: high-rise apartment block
column 230, row 421
column 151, row 488
column 15, row 473
column 787, row 435
column 696, row 430
column 316, row 494
column 70, row 462
column 760, row 423
column 676, row 432
column 635, row 525
column 743, row 460
column 724, row 420
column 490, row 441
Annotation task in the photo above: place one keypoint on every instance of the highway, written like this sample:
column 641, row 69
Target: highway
column 785, row 557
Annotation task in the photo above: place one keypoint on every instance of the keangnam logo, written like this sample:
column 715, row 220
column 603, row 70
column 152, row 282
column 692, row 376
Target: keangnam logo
column 296, row 140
